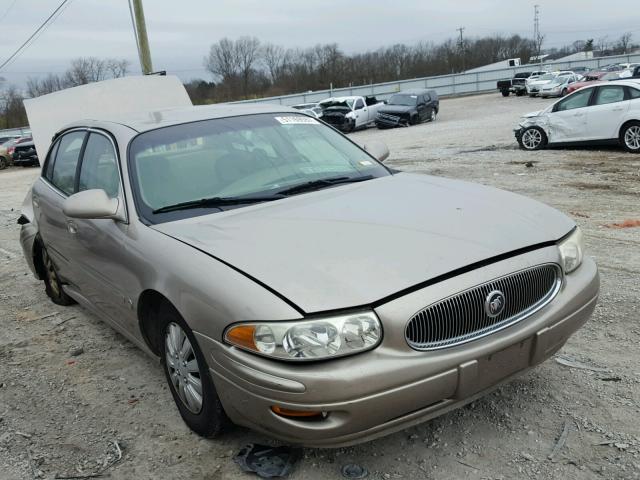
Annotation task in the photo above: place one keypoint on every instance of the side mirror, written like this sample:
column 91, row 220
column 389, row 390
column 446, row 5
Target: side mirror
column 378, row 150
column 93, row 204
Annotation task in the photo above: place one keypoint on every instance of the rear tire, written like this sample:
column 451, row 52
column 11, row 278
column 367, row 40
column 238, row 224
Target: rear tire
column 505, row 93
column 188, row 375
column 630, row 137
column 520, row 93
column 52, row 283
column 3, row 163
column 532, row 138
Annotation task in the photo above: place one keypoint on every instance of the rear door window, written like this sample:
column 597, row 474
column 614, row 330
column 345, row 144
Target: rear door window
column 609, row 94
column 65, row 165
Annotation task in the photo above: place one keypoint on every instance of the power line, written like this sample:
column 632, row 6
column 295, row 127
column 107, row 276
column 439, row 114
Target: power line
column 40, row 28
column 6, row 12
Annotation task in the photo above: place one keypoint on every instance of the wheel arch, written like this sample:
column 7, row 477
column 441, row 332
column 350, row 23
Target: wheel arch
column 625, row 124
column 38, row 263
column 149, row 302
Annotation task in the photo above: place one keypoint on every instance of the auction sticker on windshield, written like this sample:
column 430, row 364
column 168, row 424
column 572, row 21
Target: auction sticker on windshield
column 296, row 120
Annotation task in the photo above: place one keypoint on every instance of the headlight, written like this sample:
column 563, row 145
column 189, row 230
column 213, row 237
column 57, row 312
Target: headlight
column 317, row 339
column 572, row 251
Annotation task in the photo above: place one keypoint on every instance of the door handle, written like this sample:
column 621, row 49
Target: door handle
column 35, row 200
column 72, row 228
column 617, row 109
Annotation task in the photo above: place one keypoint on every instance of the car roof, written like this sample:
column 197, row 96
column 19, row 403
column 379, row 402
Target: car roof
column 151, row 120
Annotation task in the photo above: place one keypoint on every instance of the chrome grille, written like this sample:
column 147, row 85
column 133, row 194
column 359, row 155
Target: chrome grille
column 387, row 116
column 462, row 317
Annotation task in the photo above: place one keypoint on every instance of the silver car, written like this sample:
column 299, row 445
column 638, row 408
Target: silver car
column 289, row 281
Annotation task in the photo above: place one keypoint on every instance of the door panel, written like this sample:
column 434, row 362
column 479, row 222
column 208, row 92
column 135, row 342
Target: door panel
column 605, row 115
column 568, row 120
column 49, row 194
column 98, row 245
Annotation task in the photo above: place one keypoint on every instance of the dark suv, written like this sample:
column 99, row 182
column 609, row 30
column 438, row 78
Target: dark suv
column 408, row 108
column 24, row 154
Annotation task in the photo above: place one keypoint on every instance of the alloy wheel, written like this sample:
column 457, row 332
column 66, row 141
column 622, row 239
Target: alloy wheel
column 632, row 137
column 182, row 365
column 531, row 138
column 433, row 116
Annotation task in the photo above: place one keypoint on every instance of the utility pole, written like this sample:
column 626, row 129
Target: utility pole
column 140, row 30
column 461, row 45
column 537, row 38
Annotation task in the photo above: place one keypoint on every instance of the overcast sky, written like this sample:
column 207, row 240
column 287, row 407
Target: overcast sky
column 180, row 32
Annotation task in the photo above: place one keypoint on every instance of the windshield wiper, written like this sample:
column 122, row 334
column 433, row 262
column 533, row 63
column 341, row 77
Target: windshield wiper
column 321, row 183
column 216, row 202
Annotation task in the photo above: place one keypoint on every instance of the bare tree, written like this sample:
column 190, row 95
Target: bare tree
column 12, row 112
column 117, row 68
column 625, row 40
column 247, row 51
column 42, row 86
column 222, row 60
column 603, row 44
column 84, row 70
column 273, row 57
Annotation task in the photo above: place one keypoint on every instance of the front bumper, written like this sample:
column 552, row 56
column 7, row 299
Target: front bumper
column 394, row 387
column 390, row 121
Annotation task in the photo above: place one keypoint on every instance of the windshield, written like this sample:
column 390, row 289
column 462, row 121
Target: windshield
column 559, row 81
column 408, row 100
column 548, row 76
column 253, row 155
column 610, row 76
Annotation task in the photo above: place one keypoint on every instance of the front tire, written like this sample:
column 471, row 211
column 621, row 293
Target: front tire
column 3, row 163
column 505, row 93
column 188, row 376
column 433, row 116
column 630, row 137
column 532, row 138
column 52, row 283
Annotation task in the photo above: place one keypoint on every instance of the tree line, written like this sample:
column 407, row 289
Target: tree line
column 81, row 71
column 247, row 68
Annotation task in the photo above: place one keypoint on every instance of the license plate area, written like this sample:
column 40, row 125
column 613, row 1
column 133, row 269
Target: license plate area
column 499, row 365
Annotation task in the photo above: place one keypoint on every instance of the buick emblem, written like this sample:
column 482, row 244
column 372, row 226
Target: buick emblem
column 494, row 304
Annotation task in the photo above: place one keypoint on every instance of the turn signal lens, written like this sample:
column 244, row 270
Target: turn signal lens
column 243, row 336
column 286, row 412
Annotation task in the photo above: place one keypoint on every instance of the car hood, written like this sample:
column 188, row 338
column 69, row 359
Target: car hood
column 395, row 109
column 356, row 244
column 532, row 114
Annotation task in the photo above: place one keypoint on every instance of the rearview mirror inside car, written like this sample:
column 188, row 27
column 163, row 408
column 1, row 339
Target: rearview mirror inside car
column 92, row 204
column 378, row 150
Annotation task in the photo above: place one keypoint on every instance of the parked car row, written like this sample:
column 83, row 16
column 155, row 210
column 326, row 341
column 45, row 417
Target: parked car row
column 403, row 109
column 561, row 83
column 18, row 151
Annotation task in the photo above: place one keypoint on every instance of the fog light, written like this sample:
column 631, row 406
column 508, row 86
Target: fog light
column 287, row 412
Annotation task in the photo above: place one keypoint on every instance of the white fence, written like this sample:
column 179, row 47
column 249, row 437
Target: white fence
column 14, row 132
column 445, row 85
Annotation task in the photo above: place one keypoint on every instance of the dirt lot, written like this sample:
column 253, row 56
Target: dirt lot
column 62, row 414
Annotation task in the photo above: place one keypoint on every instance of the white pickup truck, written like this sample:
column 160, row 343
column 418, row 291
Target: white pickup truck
column 350, row 113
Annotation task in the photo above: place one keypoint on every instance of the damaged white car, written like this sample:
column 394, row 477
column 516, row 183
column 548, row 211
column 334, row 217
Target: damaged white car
column 599, row 114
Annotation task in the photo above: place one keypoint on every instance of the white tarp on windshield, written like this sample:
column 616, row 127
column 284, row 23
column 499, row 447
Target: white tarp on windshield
column 101, row 100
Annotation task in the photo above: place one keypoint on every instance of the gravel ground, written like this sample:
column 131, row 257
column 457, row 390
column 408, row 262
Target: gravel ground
column 75, row 396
